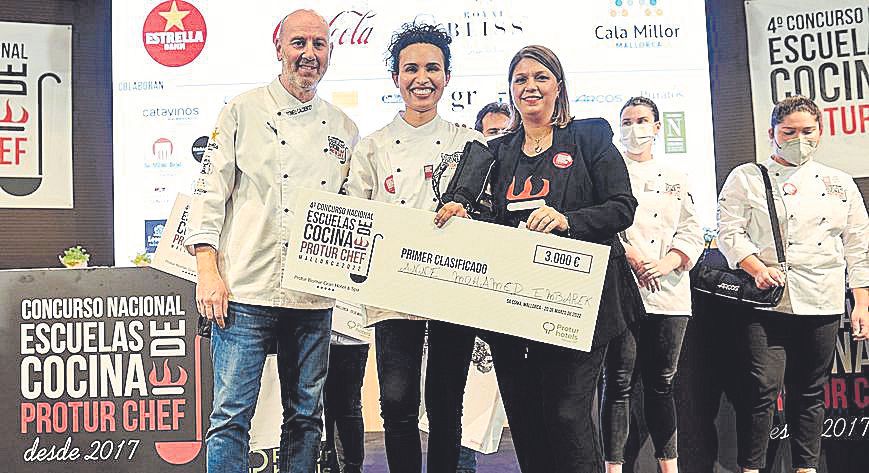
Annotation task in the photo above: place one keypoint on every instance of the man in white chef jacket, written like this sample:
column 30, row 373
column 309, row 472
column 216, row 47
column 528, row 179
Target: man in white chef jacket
column 268, row 142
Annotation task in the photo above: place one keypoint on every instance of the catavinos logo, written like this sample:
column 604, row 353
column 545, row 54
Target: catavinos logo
column 174, row 33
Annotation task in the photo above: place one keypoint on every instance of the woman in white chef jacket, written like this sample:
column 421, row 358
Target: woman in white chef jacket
column 398, row 164
column 825, row 231
column 661, row 246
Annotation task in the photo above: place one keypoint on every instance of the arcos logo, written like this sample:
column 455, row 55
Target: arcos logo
column 174, row 33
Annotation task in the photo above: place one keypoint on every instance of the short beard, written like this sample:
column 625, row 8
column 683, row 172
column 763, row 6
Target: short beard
column 294, row 78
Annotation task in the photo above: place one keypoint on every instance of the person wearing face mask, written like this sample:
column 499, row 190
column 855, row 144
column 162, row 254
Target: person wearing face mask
column 553, row 174
column 408, row 163
column 661, row 246
column 825, row 231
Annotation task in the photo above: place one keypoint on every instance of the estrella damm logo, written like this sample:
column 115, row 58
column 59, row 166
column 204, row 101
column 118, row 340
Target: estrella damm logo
column 174, row 33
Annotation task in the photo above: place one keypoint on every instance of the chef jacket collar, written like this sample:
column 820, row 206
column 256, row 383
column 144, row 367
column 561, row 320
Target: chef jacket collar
column 402, row 128
column 287, row 103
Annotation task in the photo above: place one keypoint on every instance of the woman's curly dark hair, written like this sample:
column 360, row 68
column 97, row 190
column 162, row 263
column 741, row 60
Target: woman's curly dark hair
column 413, row 33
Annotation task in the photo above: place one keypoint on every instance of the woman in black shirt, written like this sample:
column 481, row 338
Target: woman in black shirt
column 553, row 174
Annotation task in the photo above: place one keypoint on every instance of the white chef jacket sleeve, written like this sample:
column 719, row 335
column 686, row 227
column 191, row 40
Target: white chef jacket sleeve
column 360, row 181
column 855, row 239
column 733, row 218
column 689, row 236
column 214, row 183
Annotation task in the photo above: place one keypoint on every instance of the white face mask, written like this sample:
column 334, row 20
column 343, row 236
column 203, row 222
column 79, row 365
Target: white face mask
column 796, row 151
column 638, row 137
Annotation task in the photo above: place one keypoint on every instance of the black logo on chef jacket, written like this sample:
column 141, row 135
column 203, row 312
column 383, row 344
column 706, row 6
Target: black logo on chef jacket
column 198, row 148
column 300, row 110
column 672, row 189
column 451, row 159
column 338, row 149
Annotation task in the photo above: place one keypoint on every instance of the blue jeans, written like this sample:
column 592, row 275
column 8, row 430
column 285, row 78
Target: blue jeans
column 238, row 352
column 467, row 461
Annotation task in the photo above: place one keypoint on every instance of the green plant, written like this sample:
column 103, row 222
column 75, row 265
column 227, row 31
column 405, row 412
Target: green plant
column 74, row 256
column 142, row 258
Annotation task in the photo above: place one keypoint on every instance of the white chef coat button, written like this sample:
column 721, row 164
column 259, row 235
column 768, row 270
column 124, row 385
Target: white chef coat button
column 397, row 169
column 823, row 194
column 286, row 245
column 286, row 176
column 324, row 122
column 655, row 216
column 791, row 216
column 279, row 113
column 790, row 243
column 438, row 142
column 398, row 142
column 434, row 199
column 283, row 142
column 402, row 201
column 819, row 243
column 325, row 150
column 286, row 210
column 653, row 241
column 776, row 174
column 322, row 183
column 823, row 219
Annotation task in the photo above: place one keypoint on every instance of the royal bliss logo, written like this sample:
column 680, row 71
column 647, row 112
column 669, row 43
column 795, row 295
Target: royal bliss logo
column 174, row 33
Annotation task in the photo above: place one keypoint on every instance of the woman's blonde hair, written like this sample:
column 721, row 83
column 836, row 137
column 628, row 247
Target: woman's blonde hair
column 561, row 115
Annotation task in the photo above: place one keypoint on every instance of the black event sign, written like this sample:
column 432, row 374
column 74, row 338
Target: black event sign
column 104, row 371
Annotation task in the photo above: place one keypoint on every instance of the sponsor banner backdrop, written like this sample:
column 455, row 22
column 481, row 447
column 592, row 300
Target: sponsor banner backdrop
column 818, row 50
column 176, row 63
column 35, row 116
column 106, row 372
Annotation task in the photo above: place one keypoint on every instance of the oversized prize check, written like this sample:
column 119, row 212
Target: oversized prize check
column 540, row 287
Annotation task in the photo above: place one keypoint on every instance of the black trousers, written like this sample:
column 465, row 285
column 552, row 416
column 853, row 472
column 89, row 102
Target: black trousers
column 548, row 394
column 399, row 345
column 791, row 351
column 342, row 404
column 653, row 346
